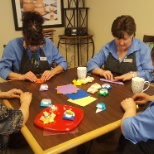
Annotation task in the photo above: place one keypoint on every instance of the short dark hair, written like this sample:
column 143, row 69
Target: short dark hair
column 152, row 52
column 122, row 25
column 32, row 28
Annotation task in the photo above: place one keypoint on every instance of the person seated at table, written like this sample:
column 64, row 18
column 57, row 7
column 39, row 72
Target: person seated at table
column 137, row 129
column 152, row 55
column 33, row 54
column 124, row 56
column 12, row 120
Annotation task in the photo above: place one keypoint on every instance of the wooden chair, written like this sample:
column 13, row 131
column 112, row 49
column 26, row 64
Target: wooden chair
column 148, row 38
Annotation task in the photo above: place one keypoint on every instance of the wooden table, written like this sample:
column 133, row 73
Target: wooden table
column 93, row 124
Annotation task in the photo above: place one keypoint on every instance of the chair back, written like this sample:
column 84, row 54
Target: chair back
column 149, row 40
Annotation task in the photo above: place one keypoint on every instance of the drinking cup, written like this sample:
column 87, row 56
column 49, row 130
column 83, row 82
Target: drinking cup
column 81, row 72
column 138, row 84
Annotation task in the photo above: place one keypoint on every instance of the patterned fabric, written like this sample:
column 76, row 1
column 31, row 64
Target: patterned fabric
column 10, row 122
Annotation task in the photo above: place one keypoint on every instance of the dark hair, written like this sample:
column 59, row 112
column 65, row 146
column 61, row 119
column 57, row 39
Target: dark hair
column 152, row 52
column 122, row 25
column 32, row 28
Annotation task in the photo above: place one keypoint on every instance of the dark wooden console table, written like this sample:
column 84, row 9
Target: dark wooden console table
column 81, row 46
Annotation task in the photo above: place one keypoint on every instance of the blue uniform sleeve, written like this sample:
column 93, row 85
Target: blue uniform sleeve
column 53, row 54
column 11, row 57
column 140, row 127
column 98, row 60
column 6, row 62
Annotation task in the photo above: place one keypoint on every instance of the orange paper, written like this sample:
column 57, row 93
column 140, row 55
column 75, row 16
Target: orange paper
column 39, row 81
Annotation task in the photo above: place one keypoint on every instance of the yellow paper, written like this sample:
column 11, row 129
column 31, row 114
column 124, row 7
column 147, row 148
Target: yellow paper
column 83, row 101
column 77, row 82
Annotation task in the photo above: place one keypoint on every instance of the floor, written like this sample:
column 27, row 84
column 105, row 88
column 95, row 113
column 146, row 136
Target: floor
column 105, row 144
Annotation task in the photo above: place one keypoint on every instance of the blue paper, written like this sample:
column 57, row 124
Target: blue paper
column 101, row 106
column 68, row 118
column 45, row 102
column 80, row 94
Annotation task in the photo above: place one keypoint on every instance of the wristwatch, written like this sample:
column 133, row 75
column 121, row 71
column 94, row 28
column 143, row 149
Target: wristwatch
column 132, row 73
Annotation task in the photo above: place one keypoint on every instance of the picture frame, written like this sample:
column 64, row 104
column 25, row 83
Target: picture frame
column 51, row 10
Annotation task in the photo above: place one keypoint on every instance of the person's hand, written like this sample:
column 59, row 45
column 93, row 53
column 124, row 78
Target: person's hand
column 30, row 76
column 128, row 104
column 130, row 109
column 13, row 93
column 123, row 77
column 25, row 98
column 47, row 75
column 141, row 98
column 107, row 75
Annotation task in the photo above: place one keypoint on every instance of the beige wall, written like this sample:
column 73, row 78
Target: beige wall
column 101, row 15
column 103, row 12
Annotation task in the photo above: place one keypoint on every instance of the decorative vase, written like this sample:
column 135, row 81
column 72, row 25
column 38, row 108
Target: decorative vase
column 40, row 7
column 28, row 5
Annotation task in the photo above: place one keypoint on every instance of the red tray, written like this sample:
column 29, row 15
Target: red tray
column 59, row 123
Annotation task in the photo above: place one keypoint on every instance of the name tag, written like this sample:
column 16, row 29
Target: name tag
column 43, row 58
column 128, row 60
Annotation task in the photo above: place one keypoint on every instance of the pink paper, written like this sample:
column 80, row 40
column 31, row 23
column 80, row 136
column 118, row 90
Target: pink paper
column 117, row 82
column 68, row 89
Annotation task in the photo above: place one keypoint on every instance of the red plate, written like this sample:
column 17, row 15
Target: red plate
column 59, row 123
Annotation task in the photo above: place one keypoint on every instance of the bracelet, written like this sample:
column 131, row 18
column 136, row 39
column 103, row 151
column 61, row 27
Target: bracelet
column 132, row 74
